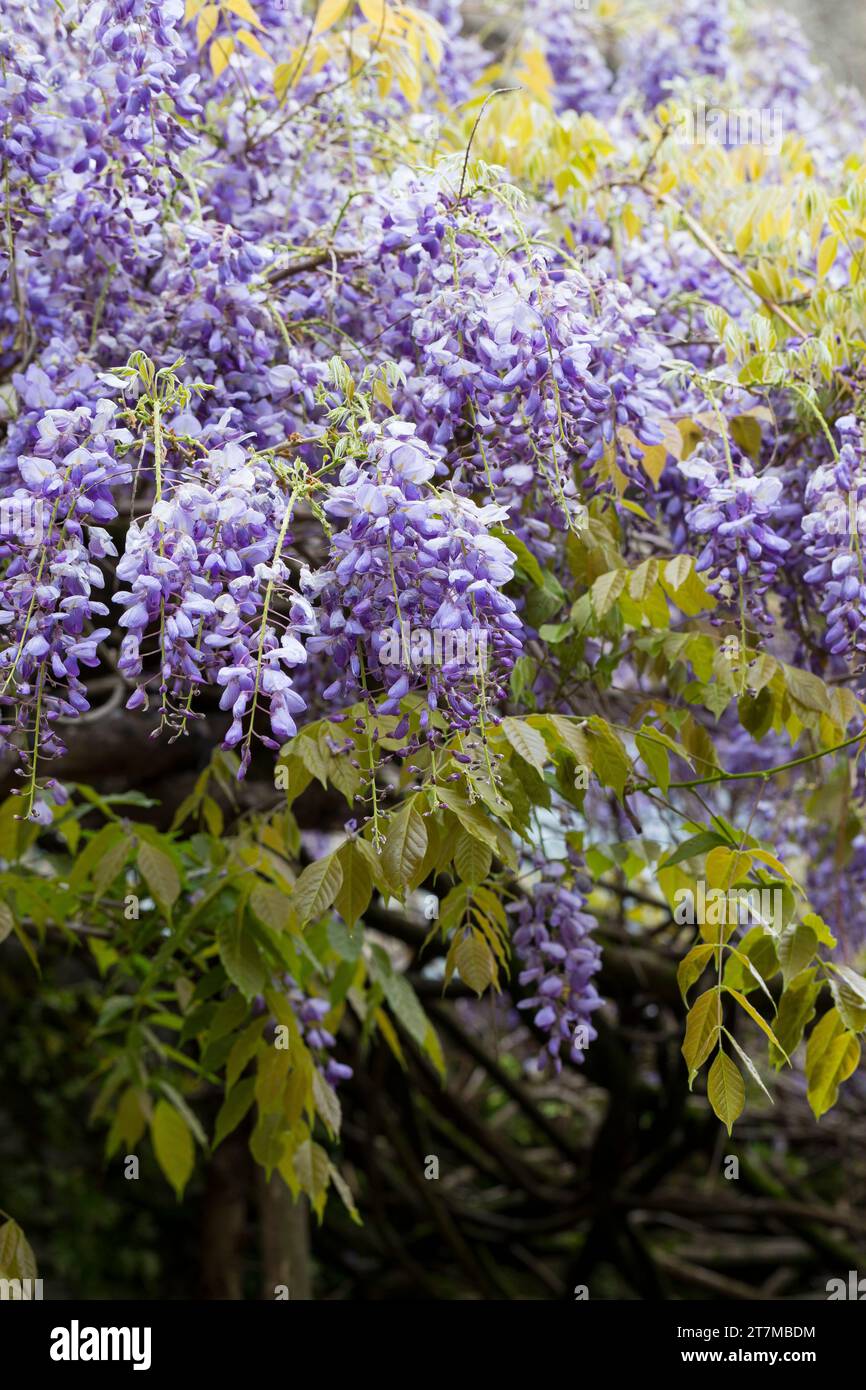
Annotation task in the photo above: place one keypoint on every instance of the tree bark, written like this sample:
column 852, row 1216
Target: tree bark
column 284, row 1226
column 225, row 1211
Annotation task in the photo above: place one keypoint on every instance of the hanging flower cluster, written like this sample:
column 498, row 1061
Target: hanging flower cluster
column 559, row 958
column 834, row 529
column 413, row 566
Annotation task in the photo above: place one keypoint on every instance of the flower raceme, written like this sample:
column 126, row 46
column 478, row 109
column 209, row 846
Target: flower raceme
column 52, row 573
column 203, row 570
column 412, row 556
column 559, row 958
column 834, row 529
column 733, row 516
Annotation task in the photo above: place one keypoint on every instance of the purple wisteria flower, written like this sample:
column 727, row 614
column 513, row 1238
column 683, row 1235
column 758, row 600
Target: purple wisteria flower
column 205, row 570
column 741, row 549
column 559, row 959
column 412, row 558
column 52, row 543
column 834, row 528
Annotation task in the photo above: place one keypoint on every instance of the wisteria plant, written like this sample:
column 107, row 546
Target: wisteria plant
column 436, row 423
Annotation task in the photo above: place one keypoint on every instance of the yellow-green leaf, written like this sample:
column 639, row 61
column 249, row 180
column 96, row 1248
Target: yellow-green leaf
column 245, row 37
column 206, row 23
column 827, row 254
column 607, row 589
column 7, row 921
column 328, row 13
column 220, row 51
column 761, row 1022
column 356, row 889
column 233, row 1109
column 172, row 1144
column 17, row 1260
column 273, row 907
column 726, row 1090
column 702, row 1030
column 832, row 1054
column 160, row 875
column 725, row 867
column 526, row 741
column 405, row 848
column 474, row 960
column 317, row 888
column 244, row 10
column 692, row 966
column 472, row 859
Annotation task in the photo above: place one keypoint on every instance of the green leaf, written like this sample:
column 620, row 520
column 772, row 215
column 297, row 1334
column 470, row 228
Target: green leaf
column 405, row 1005
column 691, row 848
column 233, row 1109
column 91, row 856
column 748, row 1064
column 240, row 956
column 313, row 1169
column 528, row 742
column 356, row 889
column 317, row 888
column 245, row 11
column 796, row 1011
column 345, row 1194
column 572, row 737
column 761, row 1022
column 326, row 1103
column 470, row 817
column 726, row 1090
column 243, row 1050
column 749, row 976
column 311, row 754
column 796, row 948
column 656, row 759
column 189, row 1116
column 807, row 689
column 702, row 1030
column 17, row 1260
column 474, row 960
column 7, row 921
column 273, row 907
column 692, row 966
column 609, row 759
column 607, row 589
column 725, row 867
column 849, row 995
column 272, row 1068
column 111, row 864
column 678, row 570
column 405, row 848
column 554, row 633
column 172, row 1144
column 472, row 859
column 820, row 928
column 832, row 1054
column 229, row 1014
column 128, row 1124
column 643, row 579
column 160, row 875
